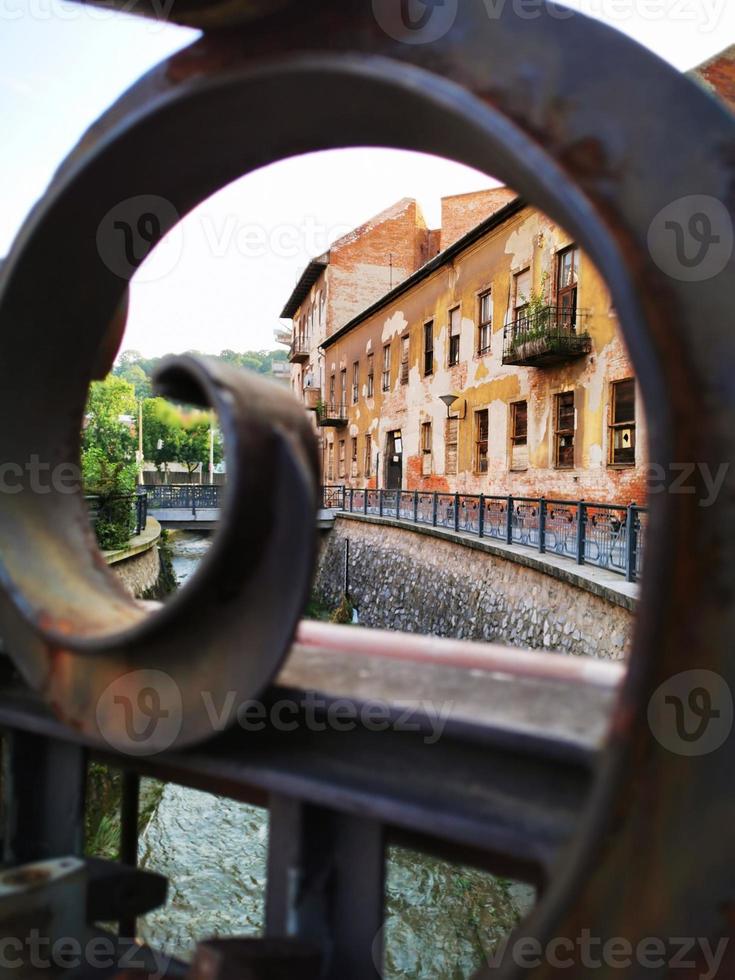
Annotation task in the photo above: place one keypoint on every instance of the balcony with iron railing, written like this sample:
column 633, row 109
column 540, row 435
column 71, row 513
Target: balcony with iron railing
column 299, row 352
column 332, row 414
column 546, row 337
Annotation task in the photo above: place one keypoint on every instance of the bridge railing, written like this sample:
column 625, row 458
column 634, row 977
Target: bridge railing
column 185, row 496
column 609, row 536
column 116, row 507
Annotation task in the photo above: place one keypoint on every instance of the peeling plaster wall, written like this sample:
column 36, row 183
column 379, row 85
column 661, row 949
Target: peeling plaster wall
column 526, row 239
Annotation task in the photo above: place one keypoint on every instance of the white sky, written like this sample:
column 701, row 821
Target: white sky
column 239, row 254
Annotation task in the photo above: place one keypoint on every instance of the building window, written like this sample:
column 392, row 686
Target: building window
column 450, row 447
column 343, row 388
column 330, row 462
column 368, row 467
column 564, row 431
column 353, row 467
column 341, row 464
column 485, row 323
column 622, row 423
column 371, row 376
column 428, row 348
column 386, row 368
column 404, row 359
column 481, row 433
column 355, row 382
column 566, row 286
column 521, row 297
column 519, row 436
column 331, row 393
column 426, row 448
column 455, row 327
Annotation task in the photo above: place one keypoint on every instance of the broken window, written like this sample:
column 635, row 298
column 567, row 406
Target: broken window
column 386, row 368
column 330, row 461
column 343, row 389
column 564, row 430
column 404, row 359
column 455, row 327
column 353, row 468
column 450, row 447
column 485, row 323
column 428, row 348
column 368, row 467
column 481, row 439
column 355, row 382
column 426, row 448
column 519, row 436
column 622, row 423
column 331, row 393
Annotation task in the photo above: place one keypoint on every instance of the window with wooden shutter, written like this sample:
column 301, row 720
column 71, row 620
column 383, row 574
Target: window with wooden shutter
column 564, row 430
column 519, row 436
column 450, row 447
column 404, row 359
column 368, row 467
column 426, row 447
column 485, row 323
column 455, row 329
column 566, row 286
column 341, row 463
column 521, row 296
column 386, row 367
column 481, row 440
column 428, row 348
column 371, row 376
column 622, row 423
column 353, row 465
column 355, row 382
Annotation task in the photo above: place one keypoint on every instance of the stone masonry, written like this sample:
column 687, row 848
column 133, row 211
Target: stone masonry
column 404, row 580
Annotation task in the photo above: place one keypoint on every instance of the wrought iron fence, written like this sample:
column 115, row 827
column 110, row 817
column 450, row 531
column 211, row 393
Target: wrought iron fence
column 185, row 496
column 610, row 536
column 548, row 333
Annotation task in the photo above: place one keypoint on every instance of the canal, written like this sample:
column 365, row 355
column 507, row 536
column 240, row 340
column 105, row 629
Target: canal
column 442, row 920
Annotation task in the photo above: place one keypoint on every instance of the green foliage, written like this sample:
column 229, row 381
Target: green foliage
column 171, row 435
column 109, row 469
column 131, row 365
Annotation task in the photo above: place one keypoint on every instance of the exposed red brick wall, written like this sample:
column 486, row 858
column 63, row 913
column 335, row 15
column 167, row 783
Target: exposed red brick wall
column 718, row 75
column 378, row 255
column 462, row 212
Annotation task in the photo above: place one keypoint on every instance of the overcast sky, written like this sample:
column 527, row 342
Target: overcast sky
column 238, row 256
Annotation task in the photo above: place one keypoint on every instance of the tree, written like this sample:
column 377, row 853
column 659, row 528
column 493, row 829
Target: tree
column 195, row 442
column 137, row 377
column 109, row 421
column 162, row 433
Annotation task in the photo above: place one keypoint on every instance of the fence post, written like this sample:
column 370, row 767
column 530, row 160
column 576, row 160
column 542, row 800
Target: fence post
column 481, row 517
column 380, row 501
column 581, row 518
column 632, row 535
column 398, row 504
column 542, row 525
column 343, row 489
column 435, row 508
column 415, row 506
column 456, row 512
column 509, row 521
column 365, row 500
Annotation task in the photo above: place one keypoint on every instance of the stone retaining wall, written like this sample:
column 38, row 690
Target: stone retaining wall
column 407, row 580
column 139, row 573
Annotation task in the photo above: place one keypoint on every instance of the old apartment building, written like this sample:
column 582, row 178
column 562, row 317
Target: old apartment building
column 496, row 366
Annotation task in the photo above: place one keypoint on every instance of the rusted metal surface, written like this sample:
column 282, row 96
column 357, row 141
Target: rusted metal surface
column 553, row 106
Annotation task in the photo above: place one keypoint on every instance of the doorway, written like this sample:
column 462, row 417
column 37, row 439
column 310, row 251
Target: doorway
column 394, row 461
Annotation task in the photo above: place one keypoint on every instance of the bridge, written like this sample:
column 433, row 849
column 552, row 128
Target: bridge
column 190, row 507
column 186, row 506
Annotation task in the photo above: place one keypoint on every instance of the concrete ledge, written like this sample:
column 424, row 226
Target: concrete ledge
column 607, row 585
column 139, row 543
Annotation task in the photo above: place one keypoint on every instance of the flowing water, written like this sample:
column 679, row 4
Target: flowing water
column 441, row 919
